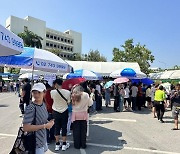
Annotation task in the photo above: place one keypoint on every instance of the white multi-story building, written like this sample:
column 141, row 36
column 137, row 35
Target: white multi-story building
column 67, row 42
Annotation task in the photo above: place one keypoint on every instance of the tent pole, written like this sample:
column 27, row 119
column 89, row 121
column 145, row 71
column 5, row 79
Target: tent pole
column 32, row 82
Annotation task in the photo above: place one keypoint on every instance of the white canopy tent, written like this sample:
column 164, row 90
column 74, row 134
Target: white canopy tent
column 10, row 44
column 172, row 74
column 103, row 68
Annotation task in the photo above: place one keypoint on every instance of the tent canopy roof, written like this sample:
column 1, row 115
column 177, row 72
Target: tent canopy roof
column 104, row 68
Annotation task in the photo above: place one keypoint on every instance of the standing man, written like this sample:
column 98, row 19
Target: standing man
column 159, row 103
column 134, row 90
column 176, row 106
column 139, row 96
column 61, row 98
column 153, row 90
column 26, row 92
column 99, row 103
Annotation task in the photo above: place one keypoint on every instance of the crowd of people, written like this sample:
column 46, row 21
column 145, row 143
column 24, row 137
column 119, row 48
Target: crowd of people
column 59, row 110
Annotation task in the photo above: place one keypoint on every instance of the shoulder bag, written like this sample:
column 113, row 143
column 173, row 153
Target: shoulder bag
column 25, row 142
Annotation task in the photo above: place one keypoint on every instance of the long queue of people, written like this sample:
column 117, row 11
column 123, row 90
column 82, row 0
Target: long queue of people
column 132, row 97
column 57, row 109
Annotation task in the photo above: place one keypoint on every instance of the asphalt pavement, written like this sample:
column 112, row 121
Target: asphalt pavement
column 110, row 132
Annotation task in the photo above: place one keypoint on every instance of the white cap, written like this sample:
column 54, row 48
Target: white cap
column 39, row 87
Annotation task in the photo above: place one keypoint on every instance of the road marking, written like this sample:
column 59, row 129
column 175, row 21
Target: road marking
column 82, row 151
column 112, row 146
column 131, row 148
column 113, row 119
column 8, row 135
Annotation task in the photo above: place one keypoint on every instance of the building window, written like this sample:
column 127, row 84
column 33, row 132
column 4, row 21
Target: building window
column 58, row 46
column 47, row 44
column 61, row 55
column 25, row 28
column 68, row 49
column 55, row 45
column 71, row 42
column 65, row 40
column 58, row 38
column 61, row 47
column 62, row 39
column 51, row 36
column 68, row 41
column 55, row 37
column 64, row 48
column 71, row 49
column 64, row 56
column 51, row 45
column 68, row 56
column 47, row 35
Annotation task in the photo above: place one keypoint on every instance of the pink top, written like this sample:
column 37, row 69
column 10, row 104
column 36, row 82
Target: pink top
column 79, row 110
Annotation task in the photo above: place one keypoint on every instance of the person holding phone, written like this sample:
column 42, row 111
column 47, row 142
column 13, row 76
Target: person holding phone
column 36, row 111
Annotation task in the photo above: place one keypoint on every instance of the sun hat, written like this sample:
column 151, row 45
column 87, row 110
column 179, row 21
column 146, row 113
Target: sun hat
column 39, row 87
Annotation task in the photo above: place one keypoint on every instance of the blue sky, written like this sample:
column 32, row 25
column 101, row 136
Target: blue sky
column 106, row 24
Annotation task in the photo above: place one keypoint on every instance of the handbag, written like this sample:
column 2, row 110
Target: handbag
column 25, row 142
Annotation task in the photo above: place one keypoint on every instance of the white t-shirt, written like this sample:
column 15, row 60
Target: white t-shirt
column 126, row 91
column 148, row 92
column 98, row 88
column 59, row 104
column 153, row 90
column 134, row 91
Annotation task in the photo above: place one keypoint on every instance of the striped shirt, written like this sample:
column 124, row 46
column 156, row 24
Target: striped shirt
column 41, row 118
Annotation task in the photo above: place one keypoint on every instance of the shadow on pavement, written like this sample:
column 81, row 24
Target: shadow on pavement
column 143, row 111
column 100, row 139
column 3, row 105
column 105, row 137
column 99, row 122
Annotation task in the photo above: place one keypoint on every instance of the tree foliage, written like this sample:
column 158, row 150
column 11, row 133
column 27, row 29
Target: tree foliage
column 31, row 39
column 94, row 56
column 91, row 56
column 134, row 53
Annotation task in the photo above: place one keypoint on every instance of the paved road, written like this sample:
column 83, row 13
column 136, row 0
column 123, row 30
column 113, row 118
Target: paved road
column 110, row 132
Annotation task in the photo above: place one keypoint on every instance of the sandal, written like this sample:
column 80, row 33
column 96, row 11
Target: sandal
column 174, row 129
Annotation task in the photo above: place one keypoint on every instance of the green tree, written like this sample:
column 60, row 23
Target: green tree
column 94, row 56
column 55, row 51
column 31, row 39
column 176, row 67
column 134, row 53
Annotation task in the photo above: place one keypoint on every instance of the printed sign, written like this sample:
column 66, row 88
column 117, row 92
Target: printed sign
column 10, row 40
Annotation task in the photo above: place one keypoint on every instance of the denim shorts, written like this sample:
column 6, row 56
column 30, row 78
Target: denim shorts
column 42, row 150
column 175, row 112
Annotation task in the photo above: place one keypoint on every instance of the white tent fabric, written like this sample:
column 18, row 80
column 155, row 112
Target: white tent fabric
column 29, row 76
column 10, row 44
column 173, row 74
column 103, row 68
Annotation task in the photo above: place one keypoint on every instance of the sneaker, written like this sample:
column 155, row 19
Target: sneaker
column 65, row 147
column 58, row 146
column 21, row 115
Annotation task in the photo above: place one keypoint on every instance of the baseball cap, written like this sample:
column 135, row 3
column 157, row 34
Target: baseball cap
column 39, row 87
